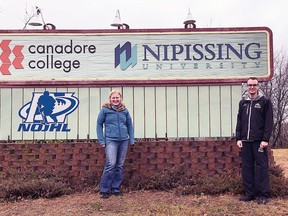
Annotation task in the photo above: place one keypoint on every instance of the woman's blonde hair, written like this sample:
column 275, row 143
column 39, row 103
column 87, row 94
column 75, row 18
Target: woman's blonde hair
column 113, row 92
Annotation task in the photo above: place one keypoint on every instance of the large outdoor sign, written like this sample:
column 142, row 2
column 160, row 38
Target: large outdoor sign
column 138, row 57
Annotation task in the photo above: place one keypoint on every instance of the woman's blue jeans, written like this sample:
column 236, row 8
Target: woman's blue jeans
column 113, row 171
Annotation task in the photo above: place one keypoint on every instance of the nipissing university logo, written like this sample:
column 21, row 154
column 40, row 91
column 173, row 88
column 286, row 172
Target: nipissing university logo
column 125, row 56
column 6, row 57
column 47, row 111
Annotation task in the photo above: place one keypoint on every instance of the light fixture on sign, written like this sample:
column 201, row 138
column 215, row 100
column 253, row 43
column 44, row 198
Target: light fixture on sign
column 117, row 22
column 38, row 20
column 189, row 22
column 49, row 26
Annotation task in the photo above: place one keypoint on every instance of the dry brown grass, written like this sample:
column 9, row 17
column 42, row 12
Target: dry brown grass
column 152, row 203
column 143, row 203
column 281, row 158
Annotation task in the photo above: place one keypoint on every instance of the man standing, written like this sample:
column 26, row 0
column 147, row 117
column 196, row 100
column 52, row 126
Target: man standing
column 253, row 131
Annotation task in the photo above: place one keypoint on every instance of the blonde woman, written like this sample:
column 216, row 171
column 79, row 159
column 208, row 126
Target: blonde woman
column 114, row 132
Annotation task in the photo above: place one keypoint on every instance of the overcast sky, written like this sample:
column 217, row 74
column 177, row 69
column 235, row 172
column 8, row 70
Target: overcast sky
column 145, row 14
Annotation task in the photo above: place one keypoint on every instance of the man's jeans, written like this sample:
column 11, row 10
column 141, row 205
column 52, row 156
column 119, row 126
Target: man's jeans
column 113, row 172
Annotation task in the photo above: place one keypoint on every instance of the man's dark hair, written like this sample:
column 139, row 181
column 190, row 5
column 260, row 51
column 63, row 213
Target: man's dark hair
column 253, row 78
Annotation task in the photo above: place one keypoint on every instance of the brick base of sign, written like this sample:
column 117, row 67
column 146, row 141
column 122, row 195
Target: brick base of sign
column 84, row 159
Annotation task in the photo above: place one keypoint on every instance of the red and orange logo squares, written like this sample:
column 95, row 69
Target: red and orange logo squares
column 5, row 57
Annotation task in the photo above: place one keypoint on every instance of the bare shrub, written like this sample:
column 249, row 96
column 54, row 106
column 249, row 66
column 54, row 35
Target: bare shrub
column 134, row 180
column 28, row 184
column 279, row 183
column 17, row 185
column 225, row 182
column 176, row 180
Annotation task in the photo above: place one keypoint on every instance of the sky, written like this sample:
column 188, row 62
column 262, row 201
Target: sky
column 151, row 14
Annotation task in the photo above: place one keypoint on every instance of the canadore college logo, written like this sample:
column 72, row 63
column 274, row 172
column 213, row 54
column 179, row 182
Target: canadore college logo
column 47, row 111
column 6, row 57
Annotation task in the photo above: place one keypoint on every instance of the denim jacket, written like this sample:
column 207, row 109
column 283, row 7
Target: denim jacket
column 118, row 124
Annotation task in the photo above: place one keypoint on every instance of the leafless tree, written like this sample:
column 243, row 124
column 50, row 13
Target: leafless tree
column 277, row 91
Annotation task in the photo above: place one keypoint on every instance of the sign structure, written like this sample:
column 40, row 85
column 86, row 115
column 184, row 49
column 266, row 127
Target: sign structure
column 137, row 57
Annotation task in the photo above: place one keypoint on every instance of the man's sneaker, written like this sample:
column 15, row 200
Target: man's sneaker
column 104, row 195
column 262, row 200
column 117, row 193
column 247, row 198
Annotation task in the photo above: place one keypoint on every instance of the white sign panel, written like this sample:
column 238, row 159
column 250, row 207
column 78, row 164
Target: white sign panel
column 139, row 57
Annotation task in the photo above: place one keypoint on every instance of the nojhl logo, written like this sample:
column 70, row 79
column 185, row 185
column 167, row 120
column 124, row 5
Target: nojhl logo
column 47, row 111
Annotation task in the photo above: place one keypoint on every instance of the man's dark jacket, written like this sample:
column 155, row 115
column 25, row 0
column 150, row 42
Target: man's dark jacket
column 254, row 119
